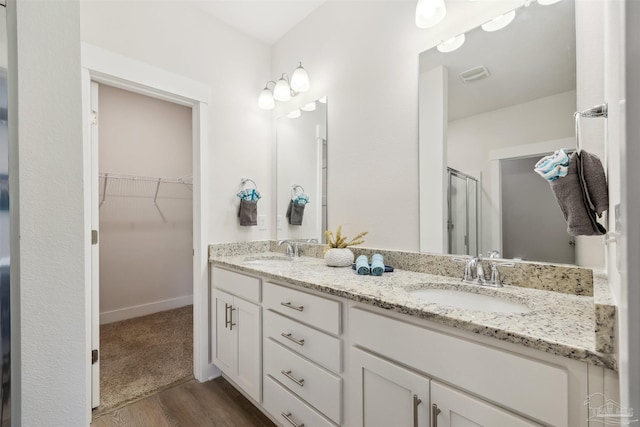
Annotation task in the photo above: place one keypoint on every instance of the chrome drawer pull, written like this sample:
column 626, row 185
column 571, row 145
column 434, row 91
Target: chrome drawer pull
column 416, row 402
column 292, row 378
column 290, row 338
column 287, row 416
column 288, row 305
column 434, row 415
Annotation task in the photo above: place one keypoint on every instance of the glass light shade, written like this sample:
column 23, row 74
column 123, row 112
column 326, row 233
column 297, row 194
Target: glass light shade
column 294, row 114
column 265, row 100
column 451, row 44
column 499, row 22
column 430, row 13
column 282, row 91
column 300, row 79
column 309, row 107
column 547, row 2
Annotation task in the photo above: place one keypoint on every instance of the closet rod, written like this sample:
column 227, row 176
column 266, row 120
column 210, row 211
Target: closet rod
column 182, row 180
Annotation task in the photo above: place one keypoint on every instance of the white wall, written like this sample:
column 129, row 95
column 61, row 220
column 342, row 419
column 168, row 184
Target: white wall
column 49, row 328
column 182, row 39
column 364, row 56
column 470, row 141
column 145, row 251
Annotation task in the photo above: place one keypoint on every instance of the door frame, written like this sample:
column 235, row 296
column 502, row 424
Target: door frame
column 515, row 152
column 103, row 66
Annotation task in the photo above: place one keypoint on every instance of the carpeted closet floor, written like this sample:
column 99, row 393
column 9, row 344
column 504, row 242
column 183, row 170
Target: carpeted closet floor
column 141, row 356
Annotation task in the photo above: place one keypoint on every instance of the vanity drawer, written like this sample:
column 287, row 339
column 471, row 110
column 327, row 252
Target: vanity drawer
column 245, row 287
column 317, row 386
column 315, row 345
column 279, row 402
column 316, row 311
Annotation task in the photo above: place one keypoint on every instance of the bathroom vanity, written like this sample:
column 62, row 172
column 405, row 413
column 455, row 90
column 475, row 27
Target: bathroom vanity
column 319, row 346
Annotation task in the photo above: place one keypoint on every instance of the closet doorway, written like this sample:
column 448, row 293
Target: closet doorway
column 146, row 242
column 105, row 67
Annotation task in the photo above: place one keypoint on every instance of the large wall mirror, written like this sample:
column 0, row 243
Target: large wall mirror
column 301, row 173
column 507, row 98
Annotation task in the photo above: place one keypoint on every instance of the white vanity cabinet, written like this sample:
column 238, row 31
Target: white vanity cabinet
column 237, row 327
column 387, row 394
column 302, row 357
column 392, row 360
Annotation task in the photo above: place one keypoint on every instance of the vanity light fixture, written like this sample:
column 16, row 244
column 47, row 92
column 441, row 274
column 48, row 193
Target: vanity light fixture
column 499, row 22
column 284, row 89
column 451, row 44
column 430, row 13
column 294, row 114
column 309, row 107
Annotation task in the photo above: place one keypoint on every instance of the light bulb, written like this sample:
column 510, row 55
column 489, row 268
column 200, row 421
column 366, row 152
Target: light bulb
column 309, row 107
column 451, row 44
column 265, row 100
column 300, row 79
column 430, row 13
column 294, row 114
column 499, row 22
column 323, row 100
column 282, row 91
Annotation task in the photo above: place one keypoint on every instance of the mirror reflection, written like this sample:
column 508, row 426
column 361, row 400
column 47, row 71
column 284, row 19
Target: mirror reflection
column 301, row 173
column 509, row 98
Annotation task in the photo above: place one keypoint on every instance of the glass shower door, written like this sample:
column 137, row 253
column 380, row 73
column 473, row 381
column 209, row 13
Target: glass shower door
column 462, row 221
column 5, row 324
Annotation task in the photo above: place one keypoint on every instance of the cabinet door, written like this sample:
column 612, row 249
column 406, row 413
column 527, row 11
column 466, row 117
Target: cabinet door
column 246, row 317
column 387, row 394
column 226, row 349
column 458, row 409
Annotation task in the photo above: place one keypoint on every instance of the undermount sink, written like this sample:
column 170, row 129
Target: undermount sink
column 266, row 259
column 470, row 301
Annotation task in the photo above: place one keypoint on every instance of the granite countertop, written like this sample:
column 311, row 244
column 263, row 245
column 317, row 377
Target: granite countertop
column 558, row 323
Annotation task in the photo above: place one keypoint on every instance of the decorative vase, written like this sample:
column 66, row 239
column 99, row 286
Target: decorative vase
column 339, row 257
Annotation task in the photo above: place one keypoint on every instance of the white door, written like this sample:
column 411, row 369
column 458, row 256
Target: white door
column 525, row 198
column 95, row 253
column 453, row 408
column 246, row 317
column 226, row 336
column 388, row 394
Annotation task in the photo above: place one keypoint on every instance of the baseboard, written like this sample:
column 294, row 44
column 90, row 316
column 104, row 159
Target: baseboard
column 144, row 309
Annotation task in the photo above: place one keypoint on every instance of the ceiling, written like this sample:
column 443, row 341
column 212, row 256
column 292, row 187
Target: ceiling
column 264, row 20
column 532, row 58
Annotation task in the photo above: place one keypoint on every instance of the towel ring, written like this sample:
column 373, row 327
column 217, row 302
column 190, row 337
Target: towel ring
column 294, row 190
column 244, row 181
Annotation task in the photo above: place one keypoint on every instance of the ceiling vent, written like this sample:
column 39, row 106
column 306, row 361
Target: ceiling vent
column 474, row 74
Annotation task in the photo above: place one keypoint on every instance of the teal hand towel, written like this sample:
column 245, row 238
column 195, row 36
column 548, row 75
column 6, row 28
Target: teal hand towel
column 362, row 265
column 377, row 265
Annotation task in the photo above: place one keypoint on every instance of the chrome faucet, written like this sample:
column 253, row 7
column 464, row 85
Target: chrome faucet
column 473, row 270
column 291, row 248
column 495, row 281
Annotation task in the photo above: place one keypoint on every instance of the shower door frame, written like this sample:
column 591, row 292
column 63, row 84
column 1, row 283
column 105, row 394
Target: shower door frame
column 454, row 172
column 102, row 66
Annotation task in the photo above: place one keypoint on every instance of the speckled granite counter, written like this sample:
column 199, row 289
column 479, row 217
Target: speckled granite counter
column 558, row 323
